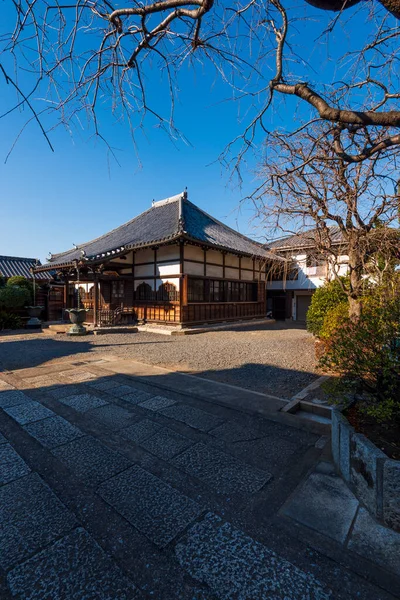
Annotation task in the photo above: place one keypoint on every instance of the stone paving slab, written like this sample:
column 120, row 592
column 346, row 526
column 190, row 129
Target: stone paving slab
column 12, row 466
column 5, row 386
column 166, row 443
column 159, row 511
column 232, row 432
column 137, row 397
column 77, row 375
column 157, row 403
column 73, row 568
column 41, row 381
column 83, row 402
column 28, row 412
column 194, row 417
column 112, row 416
column 63, row 391
column 53, row 431
column 236, row 566
column 31, row 517
column 375, row 542
column 221, row 471
column 324, row 503
column 90, row 460
column 104, row 384
column 140, row 431
column 122, row 390
column 10, row 398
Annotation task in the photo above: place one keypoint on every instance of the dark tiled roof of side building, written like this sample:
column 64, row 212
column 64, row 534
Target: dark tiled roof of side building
column 166, row 220
column 304, row 240
column 17, row 265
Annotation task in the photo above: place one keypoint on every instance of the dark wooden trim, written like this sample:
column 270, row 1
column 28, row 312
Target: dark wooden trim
column 254, row 268
column 159, row 262
column 95, row 300
column 133, row 276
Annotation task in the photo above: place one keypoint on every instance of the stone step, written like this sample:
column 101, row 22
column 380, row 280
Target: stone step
column 324, row 410
column 323, row 422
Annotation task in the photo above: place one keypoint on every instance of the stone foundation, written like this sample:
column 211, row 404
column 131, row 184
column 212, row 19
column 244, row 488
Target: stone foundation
column 372, row 476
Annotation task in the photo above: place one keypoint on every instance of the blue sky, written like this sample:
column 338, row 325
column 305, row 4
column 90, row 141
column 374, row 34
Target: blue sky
column 51, row 200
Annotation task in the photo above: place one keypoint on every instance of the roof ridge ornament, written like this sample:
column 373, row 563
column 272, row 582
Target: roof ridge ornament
column 181, row 220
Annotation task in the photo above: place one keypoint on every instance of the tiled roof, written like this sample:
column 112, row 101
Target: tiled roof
column 167, row 220
column 305, row 239
column 16, row 265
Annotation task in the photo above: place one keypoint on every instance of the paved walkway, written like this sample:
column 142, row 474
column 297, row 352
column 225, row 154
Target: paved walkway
column 112, row 487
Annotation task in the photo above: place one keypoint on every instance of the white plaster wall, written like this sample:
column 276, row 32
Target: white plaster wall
column 168, row 269
column 127, row 271
column 247, row 275
column 213, row 271
column 191, row 268
column 247, row 263
column 231, row 273
column 231, row 260
column 168, row 252
column 214, row 256
column 128, row 260
column 194, row 252
column 145, row 255
column 144, row 270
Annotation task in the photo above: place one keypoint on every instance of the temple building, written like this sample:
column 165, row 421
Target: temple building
column 172, row 264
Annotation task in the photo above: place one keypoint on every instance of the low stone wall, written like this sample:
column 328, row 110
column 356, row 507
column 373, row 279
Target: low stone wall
column 373, row 477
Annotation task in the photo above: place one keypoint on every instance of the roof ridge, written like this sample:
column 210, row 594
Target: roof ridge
column 18, row 257
column 83, row 244
column 245, row 237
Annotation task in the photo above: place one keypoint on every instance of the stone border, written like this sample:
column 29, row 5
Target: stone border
column 372, row 476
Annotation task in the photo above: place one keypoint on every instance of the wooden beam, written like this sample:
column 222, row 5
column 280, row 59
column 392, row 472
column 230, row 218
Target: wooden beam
column 95, row 300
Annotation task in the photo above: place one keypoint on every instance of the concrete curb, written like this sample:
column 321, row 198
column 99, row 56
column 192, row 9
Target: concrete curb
column 372, row 476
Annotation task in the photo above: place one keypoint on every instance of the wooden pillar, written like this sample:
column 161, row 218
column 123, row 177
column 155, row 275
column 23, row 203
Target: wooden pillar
column 95, row 300
column 155, row 270
column 205, row 262
column 133, row 278
column 223, row 265
column 240, row 267
column 66, row 294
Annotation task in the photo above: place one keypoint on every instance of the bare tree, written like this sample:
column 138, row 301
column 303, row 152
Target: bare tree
column 83, row 55
column 350, row 208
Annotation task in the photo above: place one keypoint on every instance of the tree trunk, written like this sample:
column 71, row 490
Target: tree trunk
column 356, row 281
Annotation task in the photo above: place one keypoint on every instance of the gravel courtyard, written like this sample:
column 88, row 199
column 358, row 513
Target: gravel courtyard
column 273, row 359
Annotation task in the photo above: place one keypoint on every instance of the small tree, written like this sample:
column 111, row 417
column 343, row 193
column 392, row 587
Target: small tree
column 22, row 282
column 366, row 355
column 308, row 187
column 14, row 297
column 323, row 300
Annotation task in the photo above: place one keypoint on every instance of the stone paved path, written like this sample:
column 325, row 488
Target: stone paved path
column 111, row 489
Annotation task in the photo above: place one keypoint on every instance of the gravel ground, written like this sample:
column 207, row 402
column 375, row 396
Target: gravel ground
column 273, row 359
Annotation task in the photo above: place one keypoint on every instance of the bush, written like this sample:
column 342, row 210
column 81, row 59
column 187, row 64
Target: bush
column 324, row 299
column 333, row 319
column 21, row 282
column 14, row 297
column 9, row 321
column 364, row 354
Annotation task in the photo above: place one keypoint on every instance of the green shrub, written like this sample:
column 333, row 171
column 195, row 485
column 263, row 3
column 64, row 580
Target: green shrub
column 9, row 321
column 14, row 297
column 19, row 281
column 334, row 319
column 365, row 357
column 324, row 299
